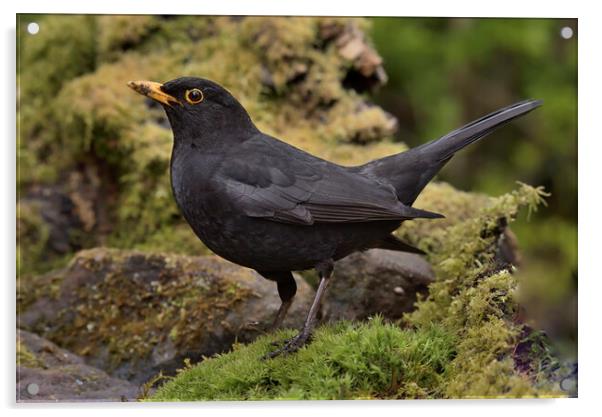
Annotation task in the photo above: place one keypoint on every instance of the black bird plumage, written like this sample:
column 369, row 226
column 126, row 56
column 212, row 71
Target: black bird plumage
column 264, row 204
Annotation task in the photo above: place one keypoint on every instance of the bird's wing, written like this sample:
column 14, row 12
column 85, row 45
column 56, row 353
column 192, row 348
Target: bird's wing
column 275, row 181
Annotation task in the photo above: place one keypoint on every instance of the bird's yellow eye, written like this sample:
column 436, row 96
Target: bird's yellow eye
column 194, row 96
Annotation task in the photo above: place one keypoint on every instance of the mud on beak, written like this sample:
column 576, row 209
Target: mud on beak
column 153, row 90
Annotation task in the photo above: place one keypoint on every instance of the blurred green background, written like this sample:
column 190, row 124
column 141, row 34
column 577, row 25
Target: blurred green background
column 446, row 72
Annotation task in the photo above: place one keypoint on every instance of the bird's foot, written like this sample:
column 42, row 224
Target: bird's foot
column 280, row 342
column 289, row 345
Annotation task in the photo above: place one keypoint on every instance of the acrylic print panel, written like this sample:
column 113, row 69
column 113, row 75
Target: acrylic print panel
column 159, row 222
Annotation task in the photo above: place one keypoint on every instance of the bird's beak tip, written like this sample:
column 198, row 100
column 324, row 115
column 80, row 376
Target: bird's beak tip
column 144, row 87
column 154, row 91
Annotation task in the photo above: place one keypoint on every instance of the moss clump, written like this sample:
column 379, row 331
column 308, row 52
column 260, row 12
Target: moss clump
column 121, row 33
column 472, row 297
column 63, row 50
column 344, row 361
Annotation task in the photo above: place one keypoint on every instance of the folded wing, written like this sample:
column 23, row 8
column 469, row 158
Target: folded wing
column 268, row 181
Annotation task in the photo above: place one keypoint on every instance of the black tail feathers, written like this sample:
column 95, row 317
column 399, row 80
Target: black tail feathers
column 444, row 147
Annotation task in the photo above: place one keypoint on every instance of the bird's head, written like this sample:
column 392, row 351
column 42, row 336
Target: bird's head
column 198, row 109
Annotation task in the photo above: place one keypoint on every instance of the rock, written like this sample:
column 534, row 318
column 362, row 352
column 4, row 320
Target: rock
column 507, row 254
column 57, row 219
column 47, row 373
column 376, row 281
column 46, row 224
column 134, row 314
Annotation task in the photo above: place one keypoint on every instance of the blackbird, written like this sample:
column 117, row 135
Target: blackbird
column 264, row 204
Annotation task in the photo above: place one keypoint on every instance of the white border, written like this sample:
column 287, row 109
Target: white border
column 590, row 232
column 508, row 8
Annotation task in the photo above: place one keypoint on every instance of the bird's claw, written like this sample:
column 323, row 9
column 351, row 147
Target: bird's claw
column 282, row 342
column 288, row 345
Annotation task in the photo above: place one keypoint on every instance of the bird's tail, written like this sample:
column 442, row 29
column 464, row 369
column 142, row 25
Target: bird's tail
column 410, row 171
column 446, row 146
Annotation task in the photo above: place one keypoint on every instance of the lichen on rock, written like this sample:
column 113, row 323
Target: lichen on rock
column 134, row 314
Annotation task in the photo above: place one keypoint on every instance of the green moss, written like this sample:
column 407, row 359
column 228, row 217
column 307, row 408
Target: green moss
column 345, row 360
column 178, row 238
column 65, row 48
column 119, row 33
column 33, row 235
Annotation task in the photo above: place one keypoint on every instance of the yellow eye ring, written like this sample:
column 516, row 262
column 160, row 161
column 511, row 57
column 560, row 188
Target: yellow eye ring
column 194, row 96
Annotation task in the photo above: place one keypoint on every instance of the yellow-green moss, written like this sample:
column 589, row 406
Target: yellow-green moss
column 118, row 33
column 471, row 297
column 370, row 360
column 64, row 49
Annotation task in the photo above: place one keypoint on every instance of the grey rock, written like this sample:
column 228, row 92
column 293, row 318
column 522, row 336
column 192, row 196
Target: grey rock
column 376, row 281
column 59, row 375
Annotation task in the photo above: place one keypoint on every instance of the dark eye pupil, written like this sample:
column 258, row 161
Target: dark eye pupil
column 195, row 95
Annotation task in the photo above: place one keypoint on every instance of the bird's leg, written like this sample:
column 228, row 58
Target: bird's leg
column 284, row 306
column 324, row 269
column 287, row 288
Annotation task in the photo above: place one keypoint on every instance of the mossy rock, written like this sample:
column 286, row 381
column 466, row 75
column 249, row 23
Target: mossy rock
column 135, row 314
